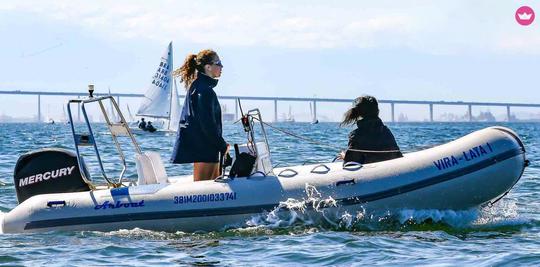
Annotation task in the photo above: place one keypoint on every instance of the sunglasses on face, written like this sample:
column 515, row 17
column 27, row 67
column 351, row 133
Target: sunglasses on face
column 217, row 63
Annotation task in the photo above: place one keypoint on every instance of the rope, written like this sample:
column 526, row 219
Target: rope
column 323, row 144
column 300, row 137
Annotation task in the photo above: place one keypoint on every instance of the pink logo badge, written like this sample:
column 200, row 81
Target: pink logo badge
column 525, row 15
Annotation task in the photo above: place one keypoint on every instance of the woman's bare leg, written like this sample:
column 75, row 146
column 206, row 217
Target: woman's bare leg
column 205, row 171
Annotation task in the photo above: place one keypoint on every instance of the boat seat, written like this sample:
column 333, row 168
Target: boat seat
column 150, row 169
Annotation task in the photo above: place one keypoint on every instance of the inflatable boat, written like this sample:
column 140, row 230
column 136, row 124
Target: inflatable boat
column 56, row 192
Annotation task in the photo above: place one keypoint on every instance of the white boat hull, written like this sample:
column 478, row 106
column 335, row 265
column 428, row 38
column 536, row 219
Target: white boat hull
column 476, row 169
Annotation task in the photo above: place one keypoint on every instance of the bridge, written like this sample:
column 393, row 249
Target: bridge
column 314, row 101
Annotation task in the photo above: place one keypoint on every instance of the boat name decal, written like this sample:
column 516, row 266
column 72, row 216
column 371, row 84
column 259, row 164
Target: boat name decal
column 471, row 154
column 40, row 177
column 217, row 197
column 119, row 204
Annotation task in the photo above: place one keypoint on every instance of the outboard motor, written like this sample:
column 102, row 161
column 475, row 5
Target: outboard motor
column 49, row 170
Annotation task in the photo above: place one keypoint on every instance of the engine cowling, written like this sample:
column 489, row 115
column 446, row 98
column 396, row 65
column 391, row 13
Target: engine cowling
column 48, row 170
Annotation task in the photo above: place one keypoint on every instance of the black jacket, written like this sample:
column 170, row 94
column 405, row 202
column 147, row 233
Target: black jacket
column 199, row 136
column 371, row 134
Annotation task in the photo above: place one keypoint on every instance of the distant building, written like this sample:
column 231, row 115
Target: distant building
column 5, row 118
column 484, row 116
column 447, row 116
column 402, row 118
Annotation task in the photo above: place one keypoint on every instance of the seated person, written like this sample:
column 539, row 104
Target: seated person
column 150, row 127
column 371, row 133
column 142, row 124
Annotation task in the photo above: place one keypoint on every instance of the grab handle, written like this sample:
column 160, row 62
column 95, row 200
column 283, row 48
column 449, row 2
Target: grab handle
column 223, row 178
column 352, row 166
column 294, row 173
column 326, row 169
column 257, row 172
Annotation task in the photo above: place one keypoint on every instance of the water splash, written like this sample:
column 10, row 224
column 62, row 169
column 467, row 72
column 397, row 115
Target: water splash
column 502, row 213
column 456, row 219
column 137, row 233
column 316, row 210
column 312, row 210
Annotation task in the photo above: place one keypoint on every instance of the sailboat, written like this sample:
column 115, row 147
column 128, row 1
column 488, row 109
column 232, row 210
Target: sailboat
column 314, row 119
column 160, row 104
column 288, row 117
column 48, row 119
column 131, row 117
column 110, row 111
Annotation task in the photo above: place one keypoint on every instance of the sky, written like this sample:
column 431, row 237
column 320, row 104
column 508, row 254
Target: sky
column 402, row 50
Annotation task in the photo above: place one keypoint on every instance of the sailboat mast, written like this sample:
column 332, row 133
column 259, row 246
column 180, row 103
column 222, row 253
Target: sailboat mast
column 170, row 105
column 171, row 79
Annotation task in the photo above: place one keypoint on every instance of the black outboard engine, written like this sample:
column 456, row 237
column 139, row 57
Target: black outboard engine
column 49, row 170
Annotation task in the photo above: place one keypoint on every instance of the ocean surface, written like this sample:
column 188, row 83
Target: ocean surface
column 506, row 234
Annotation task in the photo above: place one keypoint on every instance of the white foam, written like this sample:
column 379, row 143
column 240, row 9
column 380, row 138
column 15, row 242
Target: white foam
column 293, row 211
column 140, row 233
column 451, row 217
column 503, row 213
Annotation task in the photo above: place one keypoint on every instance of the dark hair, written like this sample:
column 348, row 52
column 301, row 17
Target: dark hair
column 363, row 107
column 192, row 63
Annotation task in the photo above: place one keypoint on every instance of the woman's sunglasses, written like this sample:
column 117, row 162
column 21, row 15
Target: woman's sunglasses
column 217, row 63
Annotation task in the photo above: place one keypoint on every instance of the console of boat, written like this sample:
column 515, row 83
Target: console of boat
column 55, row 191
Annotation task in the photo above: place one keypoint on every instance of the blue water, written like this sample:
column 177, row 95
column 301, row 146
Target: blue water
column 506, row 234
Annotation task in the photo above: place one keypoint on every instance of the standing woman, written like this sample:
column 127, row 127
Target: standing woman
column 199, row 138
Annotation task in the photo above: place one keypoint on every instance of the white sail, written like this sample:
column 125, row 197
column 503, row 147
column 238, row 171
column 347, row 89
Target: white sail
column 175, row 110
column 156, row 102
column 112, row 113
column 131, row 118
column 290, row 117
column 312, row 114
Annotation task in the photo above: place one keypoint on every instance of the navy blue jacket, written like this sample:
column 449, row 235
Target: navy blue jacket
column 199, row 136
column 371, row 134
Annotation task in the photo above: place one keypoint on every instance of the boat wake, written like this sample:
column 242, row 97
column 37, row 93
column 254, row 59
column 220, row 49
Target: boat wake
column 293, row 211
column 138, row 233
column 315, row 211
